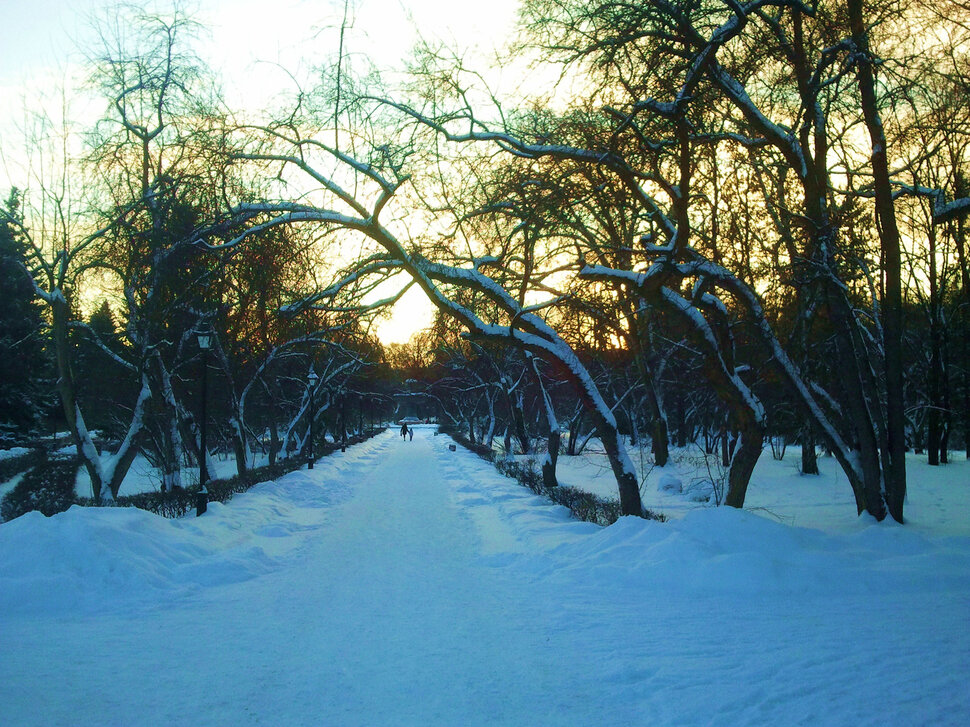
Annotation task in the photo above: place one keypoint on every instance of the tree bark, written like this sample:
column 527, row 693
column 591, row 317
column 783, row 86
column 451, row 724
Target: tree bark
column 895, row 444
column 67, row 391
column 809, row 457
column 549, row 478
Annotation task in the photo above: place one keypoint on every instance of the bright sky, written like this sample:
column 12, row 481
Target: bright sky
column 248, row 43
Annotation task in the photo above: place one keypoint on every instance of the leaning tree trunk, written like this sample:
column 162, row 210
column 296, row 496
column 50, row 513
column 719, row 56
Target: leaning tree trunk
column 745, row 412
column 745, row 457
column 627, row 482
column 274, row 441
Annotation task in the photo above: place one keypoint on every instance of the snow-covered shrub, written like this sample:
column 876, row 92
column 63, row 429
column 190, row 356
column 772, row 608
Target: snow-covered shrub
column 170, row 503
column 525, row 472
column 583, row 505
column 482, row 450
column 709, row 483
column 701, row 490
column 181, row 502
column 670, row 482
column 11, row 466
column 48, row 488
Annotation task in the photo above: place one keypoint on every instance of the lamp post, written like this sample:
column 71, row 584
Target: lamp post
column 312, row 378
column 202, row 499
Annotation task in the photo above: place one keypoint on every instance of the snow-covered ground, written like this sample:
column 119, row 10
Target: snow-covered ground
column 400, row 583
column 937, row 502
column 143, row 477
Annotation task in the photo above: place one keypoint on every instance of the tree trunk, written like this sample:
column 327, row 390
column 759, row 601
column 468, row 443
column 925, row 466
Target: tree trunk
column 67, row 391
column 809, row 457
column 518, row 419
column 171, row 453
column 659, row 442
column 745, row 412
column 626, row 478
column 947, row 417
column 574, row 434
column 240, row 450
column 549, row 478
column 554, row 435
column 894, row 466
column 746, row 454
column 274, row 442
column 934, row 435
column 659, row 439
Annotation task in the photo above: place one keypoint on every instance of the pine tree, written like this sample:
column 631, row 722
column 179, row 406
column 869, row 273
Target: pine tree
column 102, row 383
column 23, row 363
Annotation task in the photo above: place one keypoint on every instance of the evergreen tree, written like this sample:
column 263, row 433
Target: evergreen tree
column 103, row 384
column 23, row 364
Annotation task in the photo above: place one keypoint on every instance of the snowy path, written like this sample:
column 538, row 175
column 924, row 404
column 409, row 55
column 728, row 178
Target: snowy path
column 403, row 584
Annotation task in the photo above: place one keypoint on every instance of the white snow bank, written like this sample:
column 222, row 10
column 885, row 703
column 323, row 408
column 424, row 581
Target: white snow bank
column 708, row 550
column 937, row 498
column 400, row 583
column 13, row 452
column 723, row 550
column 107, row 559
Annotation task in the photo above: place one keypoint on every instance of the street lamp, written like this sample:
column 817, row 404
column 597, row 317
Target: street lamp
column 202, row 499
column 312, row 378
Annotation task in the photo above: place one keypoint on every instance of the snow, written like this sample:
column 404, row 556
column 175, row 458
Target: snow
column 10, row 485
column 13, row 452
column 144, row 477
column 937, row 499
column 400, row 583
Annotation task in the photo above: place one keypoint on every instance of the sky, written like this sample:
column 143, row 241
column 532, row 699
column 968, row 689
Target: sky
column 44, row 33
column 249, row 43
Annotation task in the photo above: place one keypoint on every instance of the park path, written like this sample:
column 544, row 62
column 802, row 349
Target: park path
column 378, row 608
column 408, row 623
column 401, row 583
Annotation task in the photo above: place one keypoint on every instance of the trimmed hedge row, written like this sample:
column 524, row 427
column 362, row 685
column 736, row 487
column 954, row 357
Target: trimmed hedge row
column 482, row 450
column 583, row 505
column 12, row 466
column 49, row 486
column 180, row 502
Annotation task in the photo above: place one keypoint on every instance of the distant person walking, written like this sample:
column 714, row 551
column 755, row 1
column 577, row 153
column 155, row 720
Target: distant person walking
column 410, row 434
column 404, row 430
